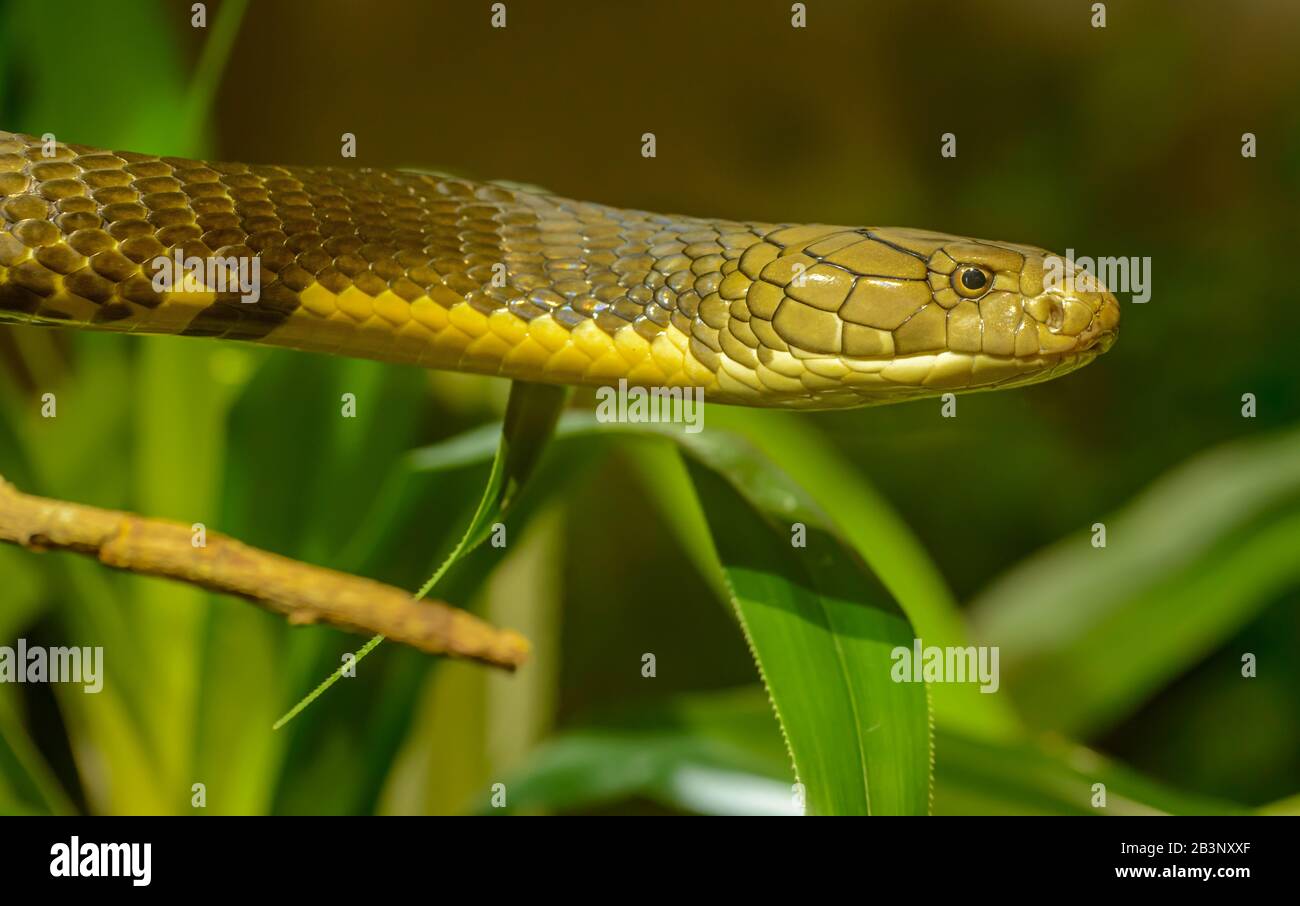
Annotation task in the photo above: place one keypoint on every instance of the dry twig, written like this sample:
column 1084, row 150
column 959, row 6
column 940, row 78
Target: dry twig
column 301, row 592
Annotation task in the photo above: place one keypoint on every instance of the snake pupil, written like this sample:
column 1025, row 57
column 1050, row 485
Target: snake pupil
column 974, row 278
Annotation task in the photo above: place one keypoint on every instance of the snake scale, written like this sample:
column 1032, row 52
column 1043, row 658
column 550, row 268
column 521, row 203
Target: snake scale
column 493, row 278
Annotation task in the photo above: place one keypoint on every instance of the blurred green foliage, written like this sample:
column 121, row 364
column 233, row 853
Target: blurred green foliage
column 1120, row 665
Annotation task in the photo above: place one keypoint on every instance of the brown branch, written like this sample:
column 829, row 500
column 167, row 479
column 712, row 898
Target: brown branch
column 301, row 592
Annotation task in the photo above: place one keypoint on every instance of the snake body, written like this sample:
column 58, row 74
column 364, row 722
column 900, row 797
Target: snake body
column 492, row 278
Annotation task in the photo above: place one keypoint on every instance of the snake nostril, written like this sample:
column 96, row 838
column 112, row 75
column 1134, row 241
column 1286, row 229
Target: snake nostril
column 1055, row 316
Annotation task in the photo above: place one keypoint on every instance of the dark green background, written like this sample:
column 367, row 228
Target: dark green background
column 1117, row 141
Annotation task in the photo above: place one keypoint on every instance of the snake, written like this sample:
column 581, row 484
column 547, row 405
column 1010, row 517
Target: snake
column 497, row 278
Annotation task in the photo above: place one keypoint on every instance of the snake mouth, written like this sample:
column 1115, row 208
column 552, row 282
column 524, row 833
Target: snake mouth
column 928, row 374
column 1103, row 342
column 876, row 379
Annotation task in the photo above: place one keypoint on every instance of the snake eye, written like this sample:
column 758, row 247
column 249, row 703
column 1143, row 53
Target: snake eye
column 971, row 281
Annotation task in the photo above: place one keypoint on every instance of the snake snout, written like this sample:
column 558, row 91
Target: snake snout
column 1103, row 329
column 1074, row 321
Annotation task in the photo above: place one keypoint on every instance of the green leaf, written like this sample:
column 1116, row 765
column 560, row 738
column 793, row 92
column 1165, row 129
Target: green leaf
column 820, row 625
column 24, row 595
column 27, row 785
column 174, row 401
column 1088, row 634
column 1287, row 806
column 822, row 629
column 311, row 470
column 715, row 753
column 1050, row 776
column 861, row 516
column 207, row 73
column 720, row 753
column 136, row 42
column 531, row 416
column 14, row 466
column 867, row 522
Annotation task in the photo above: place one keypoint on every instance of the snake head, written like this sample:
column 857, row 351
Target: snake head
column 1029, row 309
column 886, row 314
